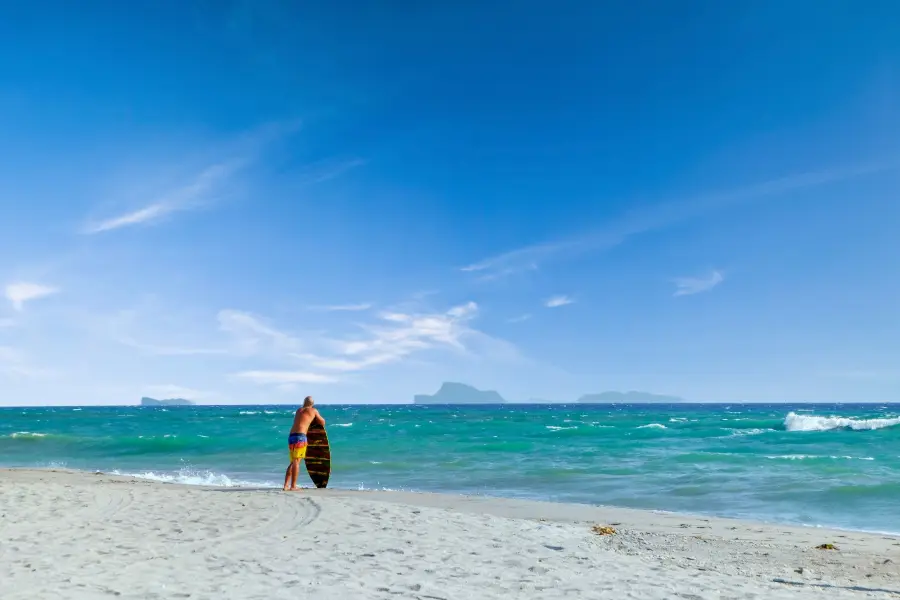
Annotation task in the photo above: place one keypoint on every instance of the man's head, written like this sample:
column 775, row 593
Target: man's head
column 307, row 402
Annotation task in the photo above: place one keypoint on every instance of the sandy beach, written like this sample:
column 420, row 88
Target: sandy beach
column 81, row 535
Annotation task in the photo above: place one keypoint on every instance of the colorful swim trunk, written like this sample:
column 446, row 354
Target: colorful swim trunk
column 297, row 446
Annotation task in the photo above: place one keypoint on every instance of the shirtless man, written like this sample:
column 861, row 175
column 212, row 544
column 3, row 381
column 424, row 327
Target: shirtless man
column 297, row 440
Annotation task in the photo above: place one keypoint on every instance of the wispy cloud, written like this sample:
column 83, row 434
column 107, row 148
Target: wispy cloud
column 557, row 301
column 123, row 327
column 686, row 286
column 658, row 217
column 343, row 307
column 190, row 195
column 396, row 336
column 21, row 292
column 519, row 319
column 393, row 337
column 252, row 335
column 205, row 186
column 329, row 169
column 13, row 363
column 7, row 323
column 284, row 377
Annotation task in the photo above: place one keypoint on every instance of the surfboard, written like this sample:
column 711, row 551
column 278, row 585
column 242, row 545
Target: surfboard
column 318, row 455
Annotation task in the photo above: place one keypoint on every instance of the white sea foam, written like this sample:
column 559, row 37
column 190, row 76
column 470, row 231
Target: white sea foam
column 653, row 426
column 677, row 419
column 558, row 428
column 795, row 422
column 740, row 432
column 793, row 457
column 814, row 456
column 187, row 476
column 345, row 425
column 249, row 412
column 27, row 434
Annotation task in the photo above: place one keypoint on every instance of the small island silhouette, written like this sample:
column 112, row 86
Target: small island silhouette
column 145, row 401
column 459, row 393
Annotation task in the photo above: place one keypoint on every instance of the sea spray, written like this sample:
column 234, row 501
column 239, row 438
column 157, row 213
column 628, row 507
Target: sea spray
column 795, row 422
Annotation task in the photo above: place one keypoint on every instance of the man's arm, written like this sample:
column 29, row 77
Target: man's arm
column 318, row 418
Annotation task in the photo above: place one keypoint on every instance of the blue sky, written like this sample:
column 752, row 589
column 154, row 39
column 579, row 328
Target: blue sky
column 251, row 202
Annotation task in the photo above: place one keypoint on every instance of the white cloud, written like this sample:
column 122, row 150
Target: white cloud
column 285, row 377
column 657, row 217
column 329, row 169
column 686, row 286
column 121, row 327
column 394, row 337
column 13, row 363
column 190, row 195
column 557, row 301
column 519, row 319
column 398, row 336
column 343, row 307
column 21, row 292
column 253, row 335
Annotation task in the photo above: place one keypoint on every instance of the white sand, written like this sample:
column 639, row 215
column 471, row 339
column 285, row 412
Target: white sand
column 70, row 535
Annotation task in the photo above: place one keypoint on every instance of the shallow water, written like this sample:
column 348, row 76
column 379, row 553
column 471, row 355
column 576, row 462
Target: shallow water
column 834, row 465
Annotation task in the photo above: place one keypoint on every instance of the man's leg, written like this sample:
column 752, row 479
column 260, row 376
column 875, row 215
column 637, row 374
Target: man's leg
column 287, row 474
column 295, row 470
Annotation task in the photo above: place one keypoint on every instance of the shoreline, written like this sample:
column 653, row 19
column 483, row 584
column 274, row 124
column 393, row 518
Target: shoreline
column 247, row 485
column 131, row 535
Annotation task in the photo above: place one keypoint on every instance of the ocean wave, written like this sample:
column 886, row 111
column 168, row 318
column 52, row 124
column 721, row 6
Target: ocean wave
column 26, row 435
column 795, row 422
column 249, row 412
column 653, row 426
column 193, row 477
column 345, row 425
column 815, row 457
column 741, row 432
column 677, row 419
column 558, row 428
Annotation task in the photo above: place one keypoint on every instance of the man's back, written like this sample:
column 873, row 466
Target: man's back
column 302, row 419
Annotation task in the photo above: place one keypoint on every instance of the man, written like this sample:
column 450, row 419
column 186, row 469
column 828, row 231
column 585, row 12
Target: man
column 297, row 440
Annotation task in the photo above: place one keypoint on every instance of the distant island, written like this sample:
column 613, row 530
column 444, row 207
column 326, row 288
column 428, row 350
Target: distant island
column 629, row 398
column 459, row 393
column 169, row 402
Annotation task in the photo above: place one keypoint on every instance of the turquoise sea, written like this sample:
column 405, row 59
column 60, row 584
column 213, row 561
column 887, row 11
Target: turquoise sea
column 834, row 465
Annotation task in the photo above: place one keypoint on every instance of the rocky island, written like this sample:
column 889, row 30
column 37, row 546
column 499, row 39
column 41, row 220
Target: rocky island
column 459, row 393
column 168, row 402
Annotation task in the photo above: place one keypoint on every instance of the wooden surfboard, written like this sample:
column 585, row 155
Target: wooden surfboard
column 318, row 455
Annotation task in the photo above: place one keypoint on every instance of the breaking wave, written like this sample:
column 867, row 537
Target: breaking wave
column 193, row 477
column 795, row 422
